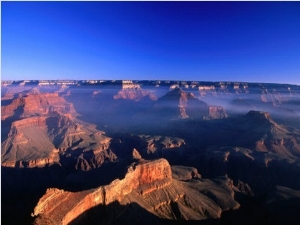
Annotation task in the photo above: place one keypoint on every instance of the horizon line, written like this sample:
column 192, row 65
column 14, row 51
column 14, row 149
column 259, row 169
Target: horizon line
column 138, row 80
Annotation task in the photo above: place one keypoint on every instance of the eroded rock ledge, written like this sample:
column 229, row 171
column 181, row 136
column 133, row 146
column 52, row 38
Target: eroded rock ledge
column 63, row 206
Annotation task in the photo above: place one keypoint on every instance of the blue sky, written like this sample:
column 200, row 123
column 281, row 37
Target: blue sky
column 205, row 41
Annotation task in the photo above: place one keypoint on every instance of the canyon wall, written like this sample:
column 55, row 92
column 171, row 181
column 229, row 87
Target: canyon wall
column 37, row 104
column 62, row 206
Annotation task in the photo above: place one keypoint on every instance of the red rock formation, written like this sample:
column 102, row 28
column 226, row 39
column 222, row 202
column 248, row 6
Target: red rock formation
column 151, row 186
column 41, row 104
column 136, row 154
column 86, row 162
column 27, row 145
column 37, row 104
column 182, row 104
column 9, row 110
column 134, row 94
column 46, row 123
column 37, row 141
column 38, row 121
column 62, row 206
column 216, row 112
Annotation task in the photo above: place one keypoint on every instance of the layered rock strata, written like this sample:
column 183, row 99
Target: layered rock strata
column 41, row 129
column 27, row 144
column 37, row 104
column 148, row 185
column 133, row 92
column 62, row 206
column 42, row 140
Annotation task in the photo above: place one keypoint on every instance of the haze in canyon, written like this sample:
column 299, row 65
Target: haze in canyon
column 151, row 152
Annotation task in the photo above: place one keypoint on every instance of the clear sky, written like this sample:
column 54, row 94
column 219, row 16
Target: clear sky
column 204, row 41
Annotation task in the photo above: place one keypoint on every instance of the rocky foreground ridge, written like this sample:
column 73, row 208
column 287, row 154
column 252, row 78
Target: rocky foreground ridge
column 148, row 184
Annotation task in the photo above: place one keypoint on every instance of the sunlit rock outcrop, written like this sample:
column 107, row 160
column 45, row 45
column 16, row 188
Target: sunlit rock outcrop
column 36, row 103
column 148, row 184
column 133, row 92
column 63, row 206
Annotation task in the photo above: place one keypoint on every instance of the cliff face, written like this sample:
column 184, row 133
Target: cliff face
column 41, row 140
column 52, row 138
column 62, row 206
column 27, row 144
column 9, row 110
column 37, row 104
column 42, row 129
column 148, row 184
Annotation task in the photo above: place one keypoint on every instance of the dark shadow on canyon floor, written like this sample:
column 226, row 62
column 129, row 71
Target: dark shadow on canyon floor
column 132, row 213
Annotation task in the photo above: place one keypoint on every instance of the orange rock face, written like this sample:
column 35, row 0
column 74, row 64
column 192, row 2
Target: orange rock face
column 30, row 122
column 153, row 175
column 37, row 104
column 216, row 112
column 184, row 96
column 27, row 144
column 63, row 206
column 39, row 140
column 134, row 94
column 44, row 127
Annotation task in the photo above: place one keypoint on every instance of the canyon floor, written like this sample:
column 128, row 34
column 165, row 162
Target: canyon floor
column 149, row 152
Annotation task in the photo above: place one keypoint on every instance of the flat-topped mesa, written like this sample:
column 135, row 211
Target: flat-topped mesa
column 133, row 92
column 128, row 84
column 149, row 175
column 62, row 206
